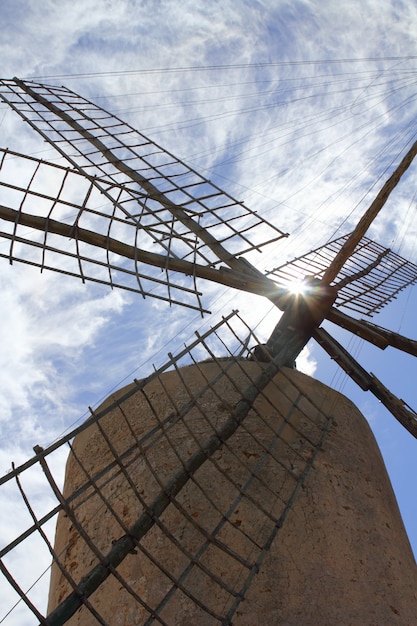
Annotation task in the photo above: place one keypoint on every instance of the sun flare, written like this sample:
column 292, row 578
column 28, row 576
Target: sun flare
column 298, row 287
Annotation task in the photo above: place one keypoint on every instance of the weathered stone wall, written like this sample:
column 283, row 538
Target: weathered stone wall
column 341, row 558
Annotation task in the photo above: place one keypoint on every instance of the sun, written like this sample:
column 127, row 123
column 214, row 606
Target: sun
column 298, row 287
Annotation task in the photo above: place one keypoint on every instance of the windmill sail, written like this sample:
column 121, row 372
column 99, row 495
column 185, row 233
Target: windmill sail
column 371, row 278
column 211, row 557
column 160, row 213
column 169, row 210
column 167, row 206
column 118, row 212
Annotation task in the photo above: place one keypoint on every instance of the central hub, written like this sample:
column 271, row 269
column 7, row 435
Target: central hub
column 304, row 310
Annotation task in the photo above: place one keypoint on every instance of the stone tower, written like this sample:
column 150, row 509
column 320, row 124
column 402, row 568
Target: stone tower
column 291, row 521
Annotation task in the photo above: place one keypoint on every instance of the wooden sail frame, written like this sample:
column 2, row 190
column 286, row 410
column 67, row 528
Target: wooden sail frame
column 365, row 275
column 172, row 219
column 372, row 277
column 301, row 437
column 164, row 189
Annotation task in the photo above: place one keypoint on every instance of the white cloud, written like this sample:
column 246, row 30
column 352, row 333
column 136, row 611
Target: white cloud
column 286, row 139
column 48, row 323
column 306, row 363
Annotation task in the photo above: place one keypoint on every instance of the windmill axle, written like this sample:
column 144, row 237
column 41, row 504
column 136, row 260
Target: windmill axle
column 303, row 313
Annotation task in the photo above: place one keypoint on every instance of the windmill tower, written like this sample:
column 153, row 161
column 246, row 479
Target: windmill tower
column 220, row 489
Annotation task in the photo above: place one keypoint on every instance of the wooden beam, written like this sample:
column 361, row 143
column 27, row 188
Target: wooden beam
column 376, row 335
column 366, row 220
column 367, row 382
column 358, row 327
column 242, row 280
column 302, row 314
column 342, row 357
column 176, row 210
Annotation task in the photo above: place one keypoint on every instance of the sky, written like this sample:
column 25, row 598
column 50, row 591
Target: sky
column 299, row 108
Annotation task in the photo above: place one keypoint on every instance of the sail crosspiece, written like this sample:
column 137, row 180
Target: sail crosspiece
column 169, row 210
column 152, row 199
column 55, row 219
column 370, row 278
column 176, row 211
column 121, row 210
column 216, row 552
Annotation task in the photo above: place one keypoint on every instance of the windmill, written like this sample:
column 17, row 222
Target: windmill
column 172, row 477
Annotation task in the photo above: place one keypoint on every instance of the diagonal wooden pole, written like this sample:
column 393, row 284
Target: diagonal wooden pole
column 368, row 217
column 304, row 314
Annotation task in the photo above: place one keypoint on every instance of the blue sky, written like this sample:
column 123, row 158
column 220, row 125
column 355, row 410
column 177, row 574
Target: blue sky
column 303, row 142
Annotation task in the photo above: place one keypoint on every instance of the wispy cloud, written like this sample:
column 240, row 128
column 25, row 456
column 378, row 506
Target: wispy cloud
column 300, row 142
